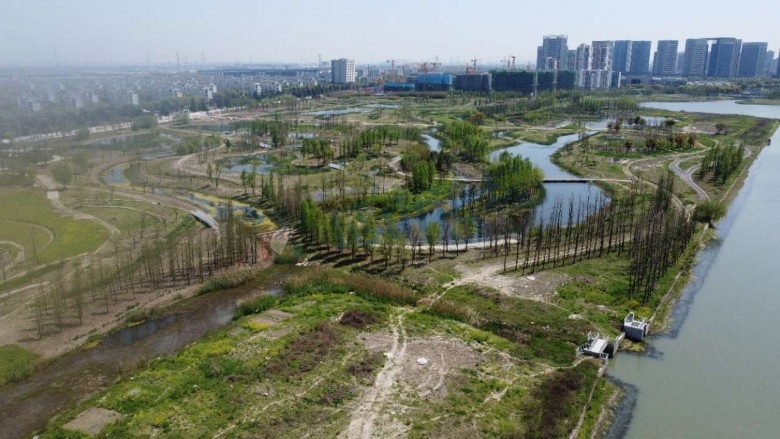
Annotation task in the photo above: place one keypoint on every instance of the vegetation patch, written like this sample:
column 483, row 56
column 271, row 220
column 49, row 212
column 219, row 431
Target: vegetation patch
column 536, row 330
column 554, row 405
column 15, row 363
column 70, row 237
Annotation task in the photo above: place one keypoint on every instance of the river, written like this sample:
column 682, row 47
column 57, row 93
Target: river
column 713, row 374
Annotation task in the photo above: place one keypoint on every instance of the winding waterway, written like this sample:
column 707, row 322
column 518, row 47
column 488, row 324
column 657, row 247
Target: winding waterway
column 539, row 155
column 713, row 375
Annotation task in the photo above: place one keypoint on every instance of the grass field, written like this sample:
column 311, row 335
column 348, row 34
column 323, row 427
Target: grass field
column 34, row 214
column 310, row 373
column 15, row 363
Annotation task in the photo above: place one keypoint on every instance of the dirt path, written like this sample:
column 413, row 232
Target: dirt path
column 369, row 408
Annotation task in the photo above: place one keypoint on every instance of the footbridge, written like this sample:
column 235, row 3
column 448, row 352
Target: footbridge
column 207, row 220
column 546, row 180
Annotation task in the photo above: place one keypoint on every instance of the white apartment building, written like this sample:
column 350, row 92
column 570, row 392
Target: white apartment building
column 342, row 71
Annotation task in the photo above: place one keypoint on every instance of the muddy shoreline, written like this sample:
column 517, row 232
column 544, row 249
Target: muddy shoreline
column 26, row 406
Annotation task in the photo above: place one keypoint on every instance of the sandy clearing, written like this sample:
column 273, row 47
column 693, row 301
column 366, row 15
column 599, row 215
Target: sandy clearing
column 92, row 420
column 377, row 413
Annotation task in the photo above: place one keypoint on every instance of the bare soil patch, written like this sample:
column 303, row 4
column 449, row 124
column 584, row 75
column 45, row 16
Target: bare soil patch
column 415, row 368
column 540, row 286
column 92, row 421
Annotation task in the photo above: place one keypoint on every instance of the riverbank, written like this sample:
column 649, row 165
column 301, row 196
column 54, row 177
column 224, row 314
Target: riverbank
column 669, row 358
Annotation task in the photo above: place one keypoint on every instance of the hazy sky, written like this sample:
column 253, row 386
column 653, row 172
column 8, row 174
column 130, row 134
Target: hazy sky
column 40, row 32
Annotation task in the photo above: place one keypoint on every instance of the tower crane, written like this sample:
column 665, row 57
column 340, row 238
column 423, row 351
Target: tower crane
column 473, row 68
column 392, row 68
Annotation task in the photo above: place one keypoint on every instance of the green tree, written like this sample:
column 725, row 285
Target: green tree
column 353, row 237
column 432, row 235
column 82, row 162
column 244, row 180
column 62, row 173
column 368, row 233
column 709, row 211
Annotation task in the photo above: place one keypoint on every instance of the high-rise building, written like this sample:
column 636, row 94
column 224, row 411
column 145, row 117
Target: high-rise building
column 553, row 53
column 724, row 58
column 621, row 56
column 342, row 71
column 751, row 59
column 640, row 58
column 571, row 60
column 601, row 55
column 769, row 62
column 665, row 59
column 696, row 50
column 595, row 79
column 777, row 69
column 582, row 60
column 678, row 69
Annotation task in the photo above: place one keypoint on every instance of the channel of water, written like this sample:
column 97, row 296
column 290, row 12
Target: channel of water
column 713, row 375
column 539, row 155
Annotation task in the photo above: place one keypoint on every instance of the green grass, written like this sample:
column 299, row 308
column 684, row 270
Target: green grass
column 71, row 237
column 15, row 363
column 541, row 137
column 759, row 102
column 236, row 379
column 537, row 330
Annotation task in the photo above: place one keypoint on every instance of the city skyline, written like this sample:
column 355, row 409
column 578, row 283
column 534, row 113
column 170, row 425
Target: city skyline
column 195, row 32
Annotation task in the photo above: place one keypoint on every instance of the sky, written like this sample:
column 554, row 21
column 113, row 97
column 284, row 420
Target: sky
column 111, row 32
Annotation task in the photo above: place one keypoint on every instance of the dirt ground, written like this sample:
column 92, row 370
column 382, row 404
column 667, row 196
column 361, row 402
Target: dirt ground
column 539, row 286
column 92, row 420
column 415, row 369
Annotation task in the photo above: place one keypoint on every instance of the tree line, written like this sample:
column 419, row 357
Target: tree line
column 159, row 264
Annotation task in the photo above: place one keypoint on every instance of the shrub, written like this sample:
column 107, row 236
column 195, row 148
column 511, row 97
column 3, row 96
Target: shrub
column 255, row 306
column 357, row 319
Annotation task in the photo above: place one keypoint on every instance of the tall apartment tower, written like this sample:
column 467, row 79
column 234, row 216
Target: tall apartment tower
column 724, row 58
column 640, row 58
column 752, row 60
column 621, row 56
column 777, row 72
column 601, row 55
column 769, row 62
column 582, row 59
column 665, row 59
column 553, row 53
column 342, row 71
column 696, row 51
column 572, row 60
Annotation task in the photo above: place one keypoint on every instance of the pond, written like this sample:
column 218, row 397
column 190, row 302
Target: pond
column 555, row 193
column 116, row 175
column 239, row 165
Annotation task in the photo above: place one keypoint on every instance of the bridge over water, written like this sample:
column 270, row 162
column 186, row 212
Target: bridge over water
column 546, row 180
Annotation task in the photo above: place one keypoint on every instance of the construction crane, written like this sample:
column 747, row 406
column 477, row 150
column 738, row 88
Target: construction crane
column 473, row 67
column 509, row 60
column 392, row 68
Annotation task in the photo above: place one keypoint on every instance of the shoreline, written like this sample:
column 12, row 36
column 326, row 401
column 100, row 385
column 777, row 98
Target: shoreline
column 678, row 302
